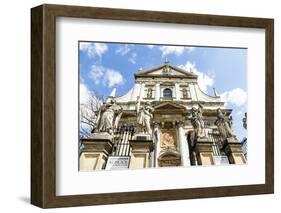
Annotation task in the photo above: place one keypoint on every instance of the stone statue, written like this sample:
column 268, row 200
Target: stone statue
column 149, row 93
column 245, row 121
column 108, row 117
column 144, row 117
column 224, row 124
column 197, row 121
column 184, row 93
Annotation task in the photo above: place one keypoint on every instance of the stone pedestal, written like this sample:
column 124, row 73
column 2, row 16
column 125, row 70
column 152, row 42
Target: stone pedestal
column 95, row 152
column 204, row 152
column 233, row 149
column 141, row 147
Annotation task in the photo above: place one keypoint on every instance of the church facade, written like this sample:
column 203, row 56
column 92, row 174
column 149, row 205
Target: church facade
column 165, row 120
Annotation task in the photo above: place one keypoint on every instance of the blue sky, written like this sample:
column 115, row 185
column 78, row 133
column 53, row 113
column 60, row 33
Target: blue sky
column 104, row 66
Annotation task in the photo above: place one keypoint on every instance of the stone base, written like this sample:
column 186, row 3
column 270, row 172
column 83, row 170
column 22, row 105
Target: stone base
column 142, row 137
column 233, row 149
column 232, row 140
column 95, row 152
column 202, row 140
column 204, row 152
column 205, row 146
column 140, row 149
column 141, row 145
column 235, row 153
column 90, row 161
column 100, row 136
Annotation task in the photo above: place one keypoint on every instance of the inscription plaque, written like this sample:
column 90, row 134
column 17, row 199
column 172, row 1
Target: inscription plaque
column 117, row 163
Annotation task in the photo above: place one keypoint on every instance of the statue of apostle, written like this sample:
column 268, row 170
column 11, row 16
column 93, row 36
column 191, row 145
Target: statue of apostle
column 108, row 117
column 198, row 122
column 144, row 117
column 224, row 124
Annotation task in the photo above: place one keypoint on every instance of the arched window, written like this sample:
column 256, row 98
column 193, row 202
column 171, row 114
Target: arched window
column 167, row 93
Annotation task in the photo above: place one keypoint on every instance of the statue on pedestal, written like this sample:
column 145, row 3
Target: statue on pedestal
column 108, row 117
column 224, row 124
column 144, row 117
column 198, row 122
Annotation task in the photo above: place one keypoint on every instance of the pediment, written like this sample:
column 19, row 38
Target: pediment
column 169, row 154
column 164, row 71
column 169, row 106
column 169, row 158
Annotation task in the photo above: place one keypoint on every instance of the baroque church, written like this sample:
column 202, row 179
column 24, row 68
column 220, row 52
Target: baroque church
column 165, row 120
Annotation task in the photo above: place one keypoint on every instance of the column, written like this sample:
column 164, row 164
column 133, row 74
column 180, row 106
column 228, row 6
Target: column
column 156, row 138
column 157, row 92
column 177, row 92
column 183, row 145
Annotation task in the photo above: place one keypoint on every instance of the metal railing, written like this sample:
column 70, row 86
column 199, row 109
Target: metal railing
column 122, row 137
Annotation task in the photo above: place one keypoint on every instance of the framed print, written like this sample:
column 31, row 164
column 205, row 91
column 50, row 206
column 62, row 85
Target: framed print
column 136, row 106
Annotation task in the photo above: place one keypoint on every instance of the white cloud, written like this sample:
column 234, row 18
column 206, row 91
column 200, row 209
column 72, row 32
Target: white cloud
column 236, row 97
column 93, row 49
column 108, row 77
column 97, row 73
column 204, row 80
column 133, row 58
column 112, row 78
column 124, row 50
column 177, row 50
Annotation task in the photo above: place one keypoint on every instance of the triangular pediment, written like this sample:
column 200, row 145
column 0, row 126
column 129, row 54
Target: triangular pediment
column 164, row 71
column 169, row 106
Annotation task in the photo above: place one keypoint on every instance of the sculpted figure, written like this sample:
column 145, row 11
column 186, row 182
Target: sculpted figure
column 224, row 124
column 197, row 121
column 184, row 93
column 149, row 93
column 245, row 121
column 108, row 117
column 144, row 117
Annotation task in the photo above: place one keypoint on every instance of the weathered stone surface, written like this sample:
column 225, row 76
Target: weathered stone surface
column 142, row 137
column 169, row 158
column 100, row 136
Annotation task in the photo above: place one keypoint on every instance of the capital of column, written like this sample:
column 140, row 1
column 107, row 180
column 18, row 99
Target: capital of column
column 180, row 124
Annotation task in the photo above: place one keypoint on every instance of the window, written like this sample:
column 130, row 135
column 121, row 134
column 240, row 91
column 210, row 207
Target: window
column 167, row 93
